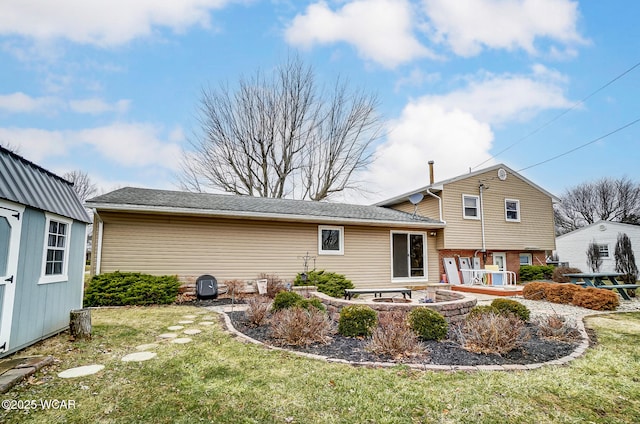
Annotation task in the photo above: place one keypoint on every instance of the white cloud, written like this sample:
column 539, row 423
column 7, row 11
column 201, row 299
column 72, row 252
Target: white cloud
column 97, row 106
column 425, row 131
column 496, row 99
column 23, row 103
column 101, row 22
column 127, row 145
column 381, row 30
column 468, row 26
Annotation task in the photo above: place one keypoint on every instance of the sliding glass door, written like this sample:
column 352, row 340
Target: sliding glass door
column 408, row 255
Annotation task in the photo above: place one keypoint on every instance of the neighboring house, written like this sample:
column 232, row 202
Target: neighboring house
column 572, row 247
column 42, row 242
column 240, row 237
column 495, row 215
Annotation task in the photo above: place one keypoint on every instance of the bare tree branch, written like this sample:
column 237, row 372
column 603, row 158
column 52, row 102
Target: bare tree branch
column 82, row 184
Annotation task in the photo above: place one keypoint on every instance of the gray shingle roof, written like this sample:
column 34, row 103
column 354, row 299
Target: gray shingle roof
column 131, row 198
column 24, row 182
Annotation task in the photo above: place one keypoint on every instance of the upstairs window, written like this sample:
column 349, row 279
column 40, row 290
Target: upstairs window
column 471, row 206
column 56, row 250
column 330, row 240
column 512, row 210
column 603, row 249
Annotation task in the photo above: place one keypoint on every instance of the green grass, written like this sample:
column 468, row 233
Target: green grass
column 219, row 379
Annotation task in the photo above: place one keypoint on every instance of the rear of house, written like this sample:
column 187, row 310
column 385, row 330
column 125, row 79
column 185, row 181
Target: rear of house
column 42, row 241
column 495, row 215
column 240, row 237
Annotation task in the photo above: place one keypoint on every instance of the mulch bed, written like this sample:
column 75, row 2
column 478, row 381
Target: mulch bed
column 445, row 352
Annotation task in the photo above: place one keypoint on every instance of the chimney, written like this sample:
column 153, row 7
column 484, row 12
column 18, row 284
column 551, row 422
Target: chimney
column 431, row 172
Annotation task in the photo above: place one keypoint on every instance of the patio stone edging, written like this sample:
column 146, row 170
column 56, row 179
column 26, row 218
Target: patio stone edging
column 578, row 352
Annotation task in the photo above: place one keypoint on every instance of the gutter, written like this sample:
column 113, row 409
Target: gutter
column 264, row 216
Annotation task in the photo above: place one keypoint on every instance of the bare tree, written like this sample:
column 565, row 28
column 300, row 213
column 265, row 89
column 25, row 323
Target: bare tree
column 281, row 136
column 82, row 184
column 13, row 148
column 594, row 259
column 625, row 259
column 605, row 199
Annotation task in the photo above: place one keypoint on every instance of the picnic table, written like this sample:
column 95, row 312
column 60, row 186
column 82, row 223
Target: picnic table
column 599, row 280
column 348, row 293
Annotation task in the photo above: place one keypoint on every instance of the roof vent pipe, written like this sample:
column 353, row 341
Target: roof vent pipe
column 431, row 172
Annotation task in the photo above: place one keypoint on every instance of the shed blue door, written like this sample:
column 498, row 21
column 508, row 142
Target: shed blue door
column 10, row 228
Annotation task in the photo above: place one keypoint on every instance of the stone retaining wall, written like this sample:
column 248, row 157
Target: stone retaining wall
column 454, row 306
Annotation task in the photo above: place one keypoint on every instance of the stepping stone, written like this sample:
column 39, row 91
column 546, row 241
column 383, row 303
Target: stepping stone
column 192, row 331
column 168, row 336
column 182, row 340
column 206, row 323
column 81, row 371
column 185, row 322
column 147, row 346
column 175, row 327
column 139, row 356
column 189, row 316
column 208, row 318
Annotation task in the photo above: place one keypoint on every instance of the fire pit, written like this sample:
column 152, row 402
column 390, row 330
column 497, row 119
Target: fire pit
column 391, row 300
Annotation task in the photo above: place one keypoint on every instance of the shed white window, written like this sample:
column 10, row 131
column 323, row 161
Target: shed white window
column 512, row 210
column 603, row 249
column 55, row 260
column 470, row 206
column 330, row 240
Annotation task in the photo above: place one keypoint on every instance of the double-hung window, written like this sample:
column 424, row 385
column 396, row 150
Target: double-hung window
column 330, row 240
column 512, row 210
column 470, row 206
column 603, row 249
column 56, row 249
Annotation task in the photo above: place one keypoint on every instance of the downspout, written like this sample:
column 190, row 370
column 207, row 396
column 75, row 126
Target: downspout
column 484, row 246
column 439, row 203
column 97, row 244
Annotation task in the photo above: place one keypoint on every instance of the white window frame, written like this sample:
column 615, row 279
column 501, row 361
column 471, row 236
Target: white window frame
column 604, row 246
column 506, row 214
column 340, row 230
column 422, row 278
column 477, row 199
column 64, row 276
column 529, row 257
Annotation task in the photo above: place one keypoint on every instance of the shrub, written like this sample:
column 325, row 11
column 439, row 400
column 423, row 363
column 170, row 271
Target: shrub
column 393, row 337
column 558, row 274
column 300, row 327
column 509, row 305
column 492, row 333
column 329, row 283
column 596, row 299
column 429, row 324
column 357, row 320
column 285, row 300
column 561, row 293
column 130, row 288
column 557, row 327
column 482, row 309
column 535, row 291
column 235, row 289
column 257, row 310
column 274, row 284
column 536, row 272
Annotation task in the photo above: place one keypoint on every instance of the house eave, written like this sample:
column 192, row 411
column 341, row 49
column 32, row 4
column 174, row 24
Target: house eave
column 106, row 207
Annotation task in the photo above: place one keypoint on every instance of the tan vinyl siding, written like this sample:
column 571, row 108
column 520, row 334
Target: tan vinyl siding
column 189, row 246
column 427, row 207
column 535, row 228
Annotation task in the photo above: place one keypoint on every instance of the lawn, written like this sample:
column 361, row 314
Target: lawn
column 216, row 378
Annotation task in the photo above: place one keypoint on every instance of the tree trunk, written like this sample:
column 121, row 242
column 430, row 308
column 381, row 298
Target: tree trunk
column 80, row 324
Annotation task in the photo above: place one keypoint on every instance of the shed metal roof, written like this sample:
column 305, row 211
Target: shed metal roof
column 24, row 182
column 164, row 201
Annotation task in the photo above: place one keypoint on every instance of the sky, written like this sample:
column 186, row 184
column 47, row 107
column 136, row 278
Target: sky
column 112, row 88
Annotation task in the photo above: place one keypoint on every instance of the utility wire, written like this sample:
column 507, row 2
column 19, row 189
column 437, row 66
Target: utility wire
column 583, row 145
column 560, row 115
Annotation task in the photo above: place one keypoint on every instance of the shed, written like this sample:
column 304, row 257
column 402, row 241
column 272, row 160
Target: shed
column 43, row 228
